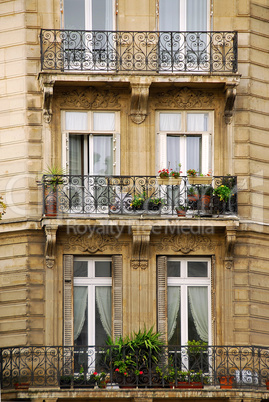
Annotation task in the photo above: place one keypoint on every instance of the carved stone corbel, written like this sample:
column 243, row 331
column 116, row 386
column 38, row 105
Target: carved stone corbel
column 230, row 243
column 50, row 248
column 141, row 238
column 47, row 101
column 139, row 102
column 230, row 98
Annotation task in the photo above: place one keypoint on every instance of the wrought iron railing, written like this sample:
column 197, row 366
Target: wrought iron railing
column 78, row 367
column 119, row 51
column 136, row 195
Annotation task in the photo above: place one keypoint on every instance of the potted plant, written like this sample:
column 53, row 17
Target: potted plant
column 223, row 192
column 174, row 177
column 154, row 204
column 137, row 203
column 181, row 210
column 226, row 381
column 194, row 177
column 52, row 178
column 163, row 176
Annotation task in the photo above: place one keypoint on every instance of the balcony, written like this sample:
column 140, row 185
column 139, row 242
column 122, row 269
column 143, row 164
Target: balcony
column 207, row 367
column 76, row 195
column 125, row 52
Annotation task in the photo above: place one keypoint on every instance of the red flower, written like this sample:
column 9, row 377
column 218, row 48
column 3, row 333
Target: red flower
column 95, row 373
column 140, row 372
column 117, row 369
column 125, row 374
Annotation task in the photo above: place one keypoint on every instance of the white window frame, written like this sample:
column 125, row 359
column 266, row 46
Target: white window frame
column 91, row 132
column 207, row 141
column 184, row 282
column 91, row 282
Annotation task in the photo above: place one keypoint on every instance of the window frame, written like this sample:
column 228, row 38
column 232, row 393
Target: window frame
column 91, row 282
column 184, row 282
column 89, row 133
column 207, row 141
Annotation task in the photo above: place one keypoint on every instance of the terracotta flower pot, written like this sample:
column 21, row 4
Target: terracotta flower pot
column 226, row 381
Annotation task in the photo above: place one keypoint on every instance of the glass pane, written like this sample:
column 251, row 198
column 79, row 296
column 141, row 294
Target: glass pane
column 102, row 314
column 198, row 313
column 197, row 122
column 173, row 268
column 173, row 152
column 102, row 155
column 169, row 15
column 80, row 269
column 170, row 122
column 75, row 121
column 103, row 269
column 174, row 315
column 104, row 121
column 80, row 315
column 194, row 149
column 74, row 14
column 196, row 15
column 197, row 269
column 76, row 154
column 102, row 15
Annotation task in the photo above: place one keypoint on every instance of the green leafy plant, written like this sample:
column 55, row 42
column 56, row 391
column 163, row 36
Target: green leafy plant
column 53, row 176
column 223, row 192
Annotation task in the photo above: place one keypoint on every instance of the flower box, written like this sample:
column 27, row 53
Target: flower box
column 185, row 384
column 163, row 180
column 175, row 181
column 200, row 179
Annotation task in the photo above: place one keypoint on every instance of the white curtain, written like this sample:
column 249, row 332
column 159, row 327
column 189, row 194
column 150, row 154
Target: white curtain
column 102, row 155
column 169, row 15
column 80, row 304
column 173, row 152
column 197, row 122
column 75, row 154
column 104, row 121
column 170, row 121
column 76, row 121
column 196, row 15
column 198, row 298
column 103, row 301
column 194, row 153
column 173, row 306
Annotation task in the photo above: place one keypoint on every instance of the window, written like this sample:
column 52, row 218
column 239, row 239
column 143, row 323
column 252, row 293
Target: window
column 183, row 15
column 184, row 137
column 91, row 143
column 88, row 14
column 188, row 300
column 92, row 301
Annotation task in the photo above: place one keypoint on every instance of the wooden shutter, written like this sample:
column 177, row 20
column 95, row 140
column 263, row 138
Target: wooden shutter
column 65, row 152
column 162, row 151
column 162, row 296
column 68, row 300
column 206, row 153
column 117, row 295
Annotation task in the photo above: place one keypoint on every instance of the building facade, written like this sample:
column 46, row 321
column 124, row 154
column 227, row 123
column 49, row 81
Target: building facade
column 98, row 97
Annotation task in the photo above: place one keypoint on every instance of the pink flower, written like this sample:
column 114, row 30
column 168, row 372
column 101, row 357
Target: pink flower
column 117, row 369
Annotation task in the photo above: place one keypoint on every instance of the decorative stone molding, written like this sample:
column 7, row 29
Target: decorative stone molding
column 229, row 105
column 92, row 243
column 47, row 101
column 230, row 243
column 139, row 102
column 141, row 238
column 90, row 98
column 50, row 248
column 185, row 243
column 185, row 98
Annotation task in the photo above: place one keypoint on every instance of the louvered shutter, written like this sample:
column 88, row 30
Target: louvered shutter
column 117, row 295
column 65, row 152
column 68, row 300
column 162, row 296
